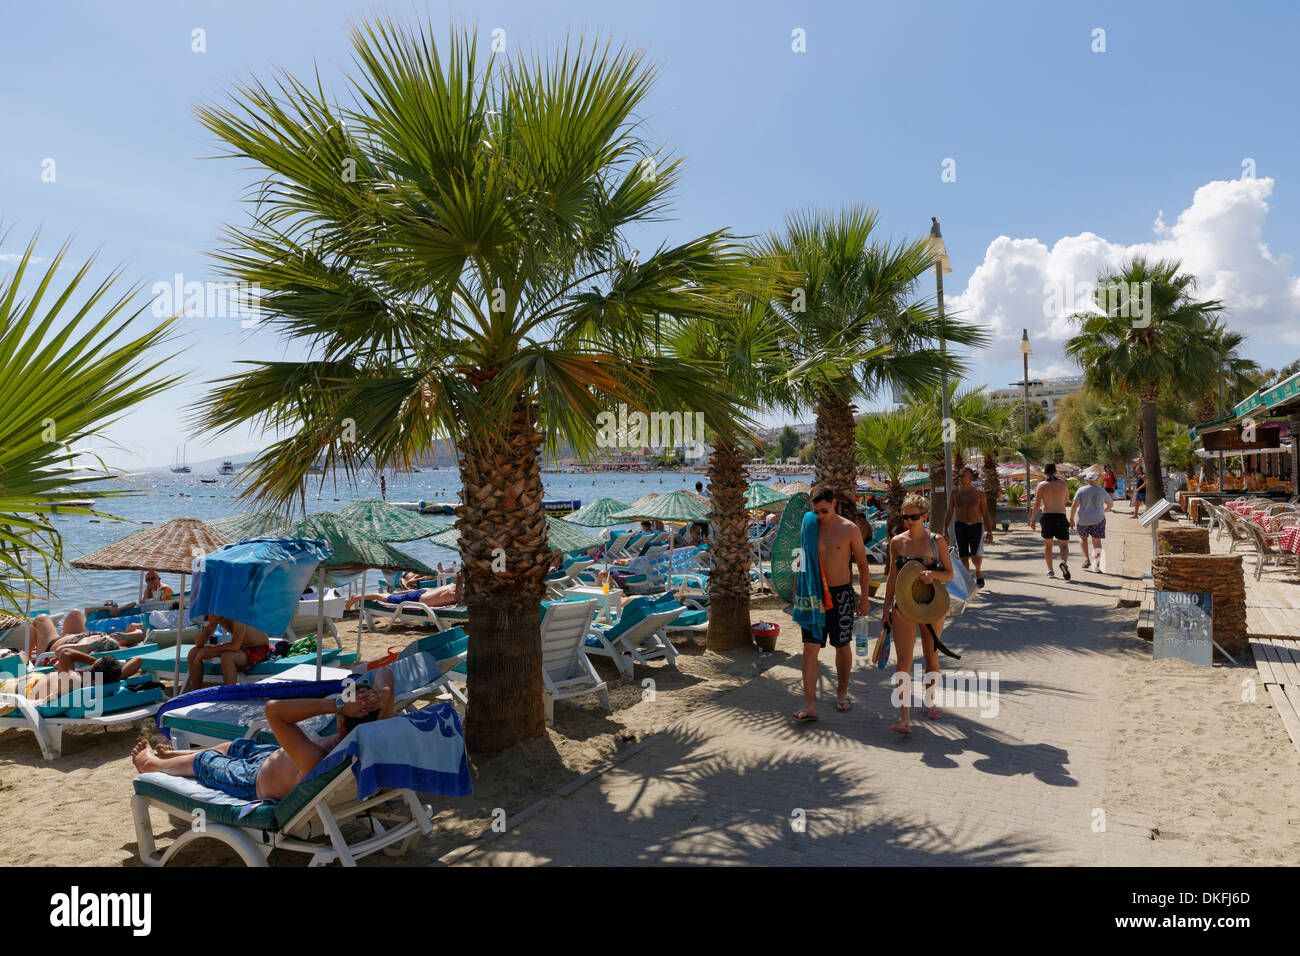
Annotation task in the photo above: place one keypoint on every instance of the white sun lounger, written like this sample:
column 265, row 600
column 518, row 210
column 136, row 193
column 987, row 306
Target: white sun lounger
column 309, row 820
column 566, row 671
column 109, row 706
column 639, row 642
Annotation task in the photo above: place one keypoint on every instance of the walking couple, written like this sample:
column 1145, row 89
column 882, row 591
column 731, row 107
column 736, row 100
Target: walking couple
column 825, row 604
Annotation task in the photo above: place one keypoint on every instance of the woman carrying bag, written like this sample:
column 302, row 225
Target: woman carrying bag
column 915, row 596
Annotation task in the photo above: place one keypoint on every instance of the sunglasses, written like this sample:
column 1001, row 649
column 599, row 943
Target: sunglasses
column 913, row 517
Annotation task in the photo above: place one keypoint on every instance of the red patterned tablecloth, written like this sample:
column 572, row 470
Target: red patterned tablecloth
column 1258, row 516
column 1290, row 540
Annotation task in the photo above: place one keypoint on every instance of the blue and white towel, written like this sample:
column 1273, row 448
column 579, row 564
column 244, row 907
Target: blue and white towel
column 422, row 751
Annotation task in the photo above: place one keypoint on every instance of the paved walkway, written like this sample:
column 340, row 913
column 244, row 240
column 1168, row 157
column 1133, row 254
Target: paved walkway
column 1021, row 782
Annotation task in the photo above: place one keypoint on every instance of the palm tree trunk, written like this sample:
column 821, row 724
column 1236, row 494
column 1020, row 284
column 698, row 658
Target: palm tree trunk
column 897, row 492
column 1151, row 443
column 502, row 496
column 834, row 451
column 729, row 626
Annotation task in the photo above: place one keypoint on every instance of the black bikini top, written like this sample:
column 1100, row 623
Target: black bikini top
column 930, row 564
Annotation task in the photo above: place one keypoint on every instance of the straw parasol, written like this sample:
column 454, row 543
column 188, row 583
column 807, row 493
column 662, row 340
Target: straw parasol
column 760, row 497
column 793, row 488
column 169, row 547
column 388, row 522
column 354, row 550
column 250, row 524
column 674, row 506
column 561, row 536
column 645, row 500
column 597, row 514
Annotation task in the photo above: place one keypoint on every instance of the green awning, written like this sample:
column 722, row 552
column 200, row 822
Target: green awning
column 915, row 479
column 759, row 496
column 250, row 524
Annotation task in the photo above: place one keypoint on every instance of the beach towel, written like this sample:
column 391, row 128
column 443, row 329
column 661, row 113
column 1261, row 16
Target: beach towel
column 422, row 751
column 269, row 690
column 257, row 582
column 811, row 597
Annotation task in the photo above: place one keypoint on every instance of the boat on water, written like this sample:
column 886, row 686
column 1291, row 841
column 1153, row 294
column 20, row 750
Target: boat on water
column 178, row 464
column 555, row 507
column 208, row 481
column 227, row 468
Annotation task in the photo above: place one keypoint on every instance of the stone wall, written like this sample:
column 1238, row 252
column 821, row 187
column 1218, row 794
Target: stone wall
column 1221, row 575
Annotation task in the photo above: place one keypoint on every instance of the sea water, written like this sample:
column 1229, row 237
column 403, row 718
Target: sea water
column 159, row 497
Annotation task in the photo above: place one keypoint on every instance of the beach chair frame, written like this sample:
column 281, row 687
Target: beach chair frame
column 566, row 670
column 643, row 642
column 48, row 731
column 316, row 830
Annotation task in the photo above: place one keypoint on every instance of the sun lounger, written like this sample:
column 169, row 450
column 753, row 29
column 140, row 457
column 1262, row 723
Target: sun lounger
column 310, row 819
column 566, row 671
column 416, row 676
column 123, row 702
column 121, row 654
column 637, row 637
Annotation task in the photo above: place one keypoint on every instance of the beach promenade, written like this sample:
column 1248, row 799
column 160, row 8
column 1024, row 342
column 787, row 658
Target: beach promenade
column 1094, row 754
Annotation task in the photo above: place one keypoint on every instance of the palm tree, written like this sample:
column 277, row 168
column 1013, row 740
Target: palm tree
column 1177, row 448
column 64, row 376
column 744, row 348
column 454, row 248
column 892, row 442
column 967, row 409
column 998, row 431
column 1233, row 374
column 1168, row 351
column 852, row 297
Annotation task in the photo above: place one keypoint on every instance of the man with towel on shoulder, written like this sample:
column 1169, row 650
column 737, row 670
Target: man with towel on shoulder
column 824, row 601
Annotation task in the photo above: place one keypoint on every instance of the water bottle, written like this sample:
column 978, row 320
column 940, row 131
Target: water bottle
column 860, row 628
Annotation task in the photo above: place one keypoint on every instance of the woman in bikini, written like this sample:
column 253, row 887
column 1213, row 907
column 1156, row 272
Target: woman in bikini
column 916, row 543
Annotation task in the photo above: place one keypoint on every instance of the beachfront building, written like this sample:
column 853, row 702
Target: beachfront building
column 1046, row 393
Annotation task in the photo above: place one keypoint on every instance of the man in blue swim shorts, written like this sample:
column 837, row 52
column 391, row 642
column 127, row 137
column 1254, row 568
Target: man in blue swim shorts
column 253, row 771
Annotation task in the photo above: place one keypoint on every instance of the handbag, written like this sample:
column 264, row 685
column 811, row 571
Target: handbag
column 962, row 586
column 880, row 653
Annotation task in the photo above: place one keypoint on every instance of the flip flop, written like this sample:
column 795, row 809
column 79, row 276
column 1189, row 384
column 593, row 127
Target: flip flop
column 843, row 705
column 802, row 716
column 905, row 731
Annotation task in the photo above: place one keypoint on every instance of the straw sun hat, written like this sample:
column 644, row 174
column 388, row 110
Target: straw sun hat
column 918, row 601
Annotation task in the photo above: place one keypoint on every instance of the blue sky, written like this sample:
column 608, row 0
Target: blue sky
column 1065, row 159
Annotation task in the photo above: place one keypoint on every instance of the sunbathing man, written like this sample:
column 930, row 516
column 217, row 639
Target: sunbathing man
column 247, row 648
column 74, row 634
column 154, row 590
column 252, row 771
column 448, row 595
column 70, row 672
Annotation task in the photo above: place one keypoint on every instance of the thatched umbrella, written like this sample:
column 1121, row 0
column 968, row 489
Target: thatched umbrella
column 388, row 522
column 597, row 514
column 644, row 500
column 250, row 524
column 170, row 547
column 561, row 536
column 793, row 488
column 353, row 550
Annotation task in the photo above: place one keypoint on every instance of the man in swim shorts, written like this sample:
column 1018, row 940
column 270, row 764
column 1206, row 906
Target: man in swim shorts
column 253, row 771
column 247, row 648
column 1051, row 497
column 839, row 546
column 1091, row 502
column 974, row 524
column 74, row 634
column 447, row 595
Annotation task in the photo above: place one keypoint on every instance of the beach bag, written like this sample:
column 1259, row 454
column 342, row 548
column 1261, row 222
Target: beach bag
column 304, row 645
column 880, row 653
column 962, row 586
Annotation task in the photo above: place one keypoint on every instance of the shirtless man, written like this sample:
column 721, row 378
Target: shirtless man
column 974, row 526
column 1051, row 497
column 252, row 771
column 247, row 648
column 446, row 595
column 839, row 546
column 74, row 634
column 72, row 669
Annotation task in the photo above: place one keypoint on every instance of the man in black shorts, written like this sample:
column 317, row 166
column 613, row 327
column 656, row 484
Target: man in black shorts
column 1051, row 497
column 839, row 547
column 971, row 508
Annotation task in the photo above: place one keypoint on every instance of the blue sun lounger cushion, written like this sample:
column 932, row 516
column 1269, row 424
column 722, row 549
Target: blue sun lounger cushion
column 633, row 611
column 95, row 701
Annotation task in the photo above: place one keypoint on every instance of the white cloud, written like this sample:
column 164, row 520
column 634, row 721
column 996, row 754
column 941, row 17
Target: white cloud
column 1024, row 284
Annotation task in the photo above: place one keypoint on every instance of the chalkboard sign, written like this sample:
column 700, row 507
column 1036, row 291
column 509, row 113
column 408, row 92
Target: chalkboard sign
column 1184, row 627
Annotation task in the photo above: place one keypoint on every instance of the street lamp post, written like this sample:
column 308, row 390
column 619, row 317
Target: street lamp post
column 939, row 496
column 1026, row 351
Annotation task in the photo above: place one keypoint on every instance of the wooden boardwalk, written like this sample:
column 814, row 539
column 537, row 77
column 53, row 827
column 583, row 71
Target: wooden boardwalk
column 1278, row 663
